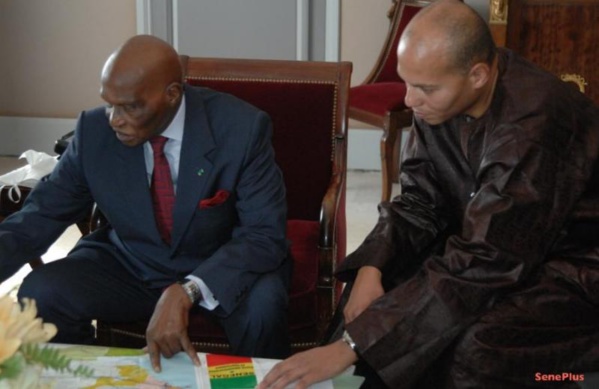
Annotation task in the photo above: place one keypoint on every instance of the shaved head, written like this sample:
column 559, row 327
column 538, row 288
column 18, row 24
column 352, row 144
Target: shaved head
column 453, row 30
column 446, row 57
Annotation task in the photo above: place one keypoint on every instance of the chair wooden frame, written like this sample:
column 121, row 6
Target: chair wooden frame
column 332, row 209
column 394, row 120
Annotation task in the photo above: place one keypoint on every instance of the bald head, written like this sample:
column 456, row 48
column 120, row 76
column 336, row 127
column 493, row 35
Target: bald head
column 446, row 57
column 452, row 31
column 145, row 59
column 142, row 84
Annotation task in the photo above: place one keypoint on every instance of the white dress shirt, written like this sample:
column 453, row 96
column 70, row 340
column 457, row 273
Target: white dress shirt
column 172, row 150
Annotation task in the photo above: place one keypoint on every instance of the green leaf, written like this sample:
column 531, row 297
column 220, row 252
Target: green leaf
column 52, row 358
column 13, row 366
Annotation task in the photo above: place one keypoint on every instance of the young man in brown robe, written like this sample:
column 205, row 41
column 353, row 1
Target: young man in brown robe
column 484, row 272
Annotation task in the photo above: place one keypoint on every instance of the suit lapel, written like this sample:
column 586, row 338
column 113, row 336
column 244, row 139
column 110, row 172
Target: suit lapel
column 195, row 166
column 135, row 181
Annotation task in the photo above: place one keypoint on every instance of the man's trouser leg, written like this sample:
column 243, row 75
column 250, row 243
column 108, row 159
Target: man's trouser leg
column 87, row 285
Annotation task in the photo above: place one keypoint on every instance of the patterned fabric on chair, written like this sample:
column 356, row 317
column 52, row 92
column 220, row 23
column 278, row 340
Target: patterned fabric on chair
column 307, row 102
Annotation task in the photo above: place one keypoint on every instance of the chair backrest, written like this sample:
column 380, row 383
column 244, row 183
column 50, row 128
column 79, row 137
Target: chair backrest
column 385, row 68
column 307, row 103
column 558, row 35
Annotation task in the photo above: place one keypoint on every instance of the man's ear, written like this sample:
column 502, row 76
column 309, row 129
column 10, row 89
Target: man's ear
column 174, row 92
column 480, row 75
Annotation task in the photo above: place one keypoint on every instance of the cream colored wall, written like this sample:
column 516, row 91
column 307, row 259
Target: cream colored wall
column 364, row 25
column 53, row 51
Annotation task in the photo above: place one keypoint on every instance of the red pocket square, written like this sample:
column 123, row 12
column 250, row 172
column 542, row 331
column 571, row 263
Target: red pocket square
column 220, row 197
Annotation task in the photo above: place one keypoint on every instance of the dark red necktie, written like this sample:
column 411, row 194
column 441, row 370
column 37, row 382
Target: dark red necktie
column 163, row 193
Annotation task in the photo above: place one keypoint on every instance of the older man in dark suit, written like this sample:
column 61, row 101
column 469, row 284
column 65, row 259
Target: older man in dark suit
column 196, row 208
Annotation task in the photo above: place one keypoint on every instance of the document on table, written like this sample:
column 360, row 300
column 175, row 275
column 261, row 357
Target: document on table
column 129, row 368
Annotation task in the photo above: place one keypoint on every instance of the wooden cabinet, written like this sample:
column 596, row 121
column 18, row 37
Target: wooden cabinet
column 561, row 36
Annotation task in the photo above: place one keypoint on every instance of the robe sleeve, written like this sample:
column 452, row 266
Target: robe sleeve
column 531, row 174
column 407, row 226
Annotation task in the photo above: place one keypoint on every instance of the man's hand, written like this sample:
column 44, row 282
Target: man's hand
column 367, row 288
column 167, row 332
column 309, row 367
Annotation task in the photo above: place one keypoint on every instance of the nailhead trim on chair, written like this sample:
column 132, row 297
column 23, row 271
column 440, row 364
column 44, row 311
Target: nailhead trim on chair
column 289, row 81
column 207, row 344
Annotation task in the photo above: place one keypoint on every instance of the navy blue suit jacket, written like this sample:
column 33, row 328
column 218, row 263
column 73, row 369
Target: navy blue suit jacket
column 226, row 146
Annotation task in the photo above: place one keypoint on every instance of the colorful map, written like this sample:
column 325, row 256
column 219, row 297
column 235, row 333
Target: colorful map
column 116, row 368
column 124, row 368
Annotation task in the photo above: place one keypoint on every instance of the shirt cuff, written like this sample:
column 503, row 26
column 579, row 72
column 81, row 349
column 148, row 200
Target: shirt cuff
column 208, row 301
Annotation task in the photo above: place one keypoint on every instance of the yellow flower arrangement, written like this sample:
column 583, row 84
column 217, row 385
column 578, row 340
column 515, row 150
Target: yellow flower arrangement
column 21, row 334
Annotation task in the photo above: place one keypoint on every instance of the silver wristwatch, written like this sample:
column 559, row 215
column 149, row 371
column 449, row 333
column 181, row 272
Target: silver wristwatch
column 348, row 340
column 192, row 289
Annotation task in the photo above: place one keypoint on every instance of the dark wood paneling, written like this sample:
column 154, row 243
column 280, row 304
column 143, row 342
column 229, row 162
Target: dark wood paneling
column 560, row 35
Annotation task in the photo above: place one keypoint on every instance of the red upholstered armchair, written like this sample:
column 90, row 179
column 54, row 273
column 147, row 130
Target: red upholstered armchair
column 307, row 102
column 379, row 100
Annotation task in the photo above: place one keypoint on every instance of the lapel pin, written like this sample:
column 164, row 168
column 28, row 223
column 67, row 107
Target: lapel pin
column 201, row 172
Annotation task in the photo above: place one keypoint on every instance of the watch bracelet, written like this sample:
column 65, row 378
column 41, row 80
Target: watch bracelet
column 349, row 341
column 191, row 289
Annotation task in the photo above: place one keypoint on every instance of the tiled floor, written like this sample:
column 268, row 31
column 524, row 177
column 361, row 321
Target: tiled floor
column 363, row 195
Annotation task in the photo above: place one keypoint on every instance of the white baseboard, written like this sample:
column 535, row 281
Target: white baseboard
column 19, row 134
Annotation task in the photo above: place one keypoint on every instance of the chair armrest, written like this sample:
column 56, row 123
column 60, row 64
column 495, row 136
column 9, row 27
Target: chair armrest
column 327, row 243
column 61, row 144
column 97, row 219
